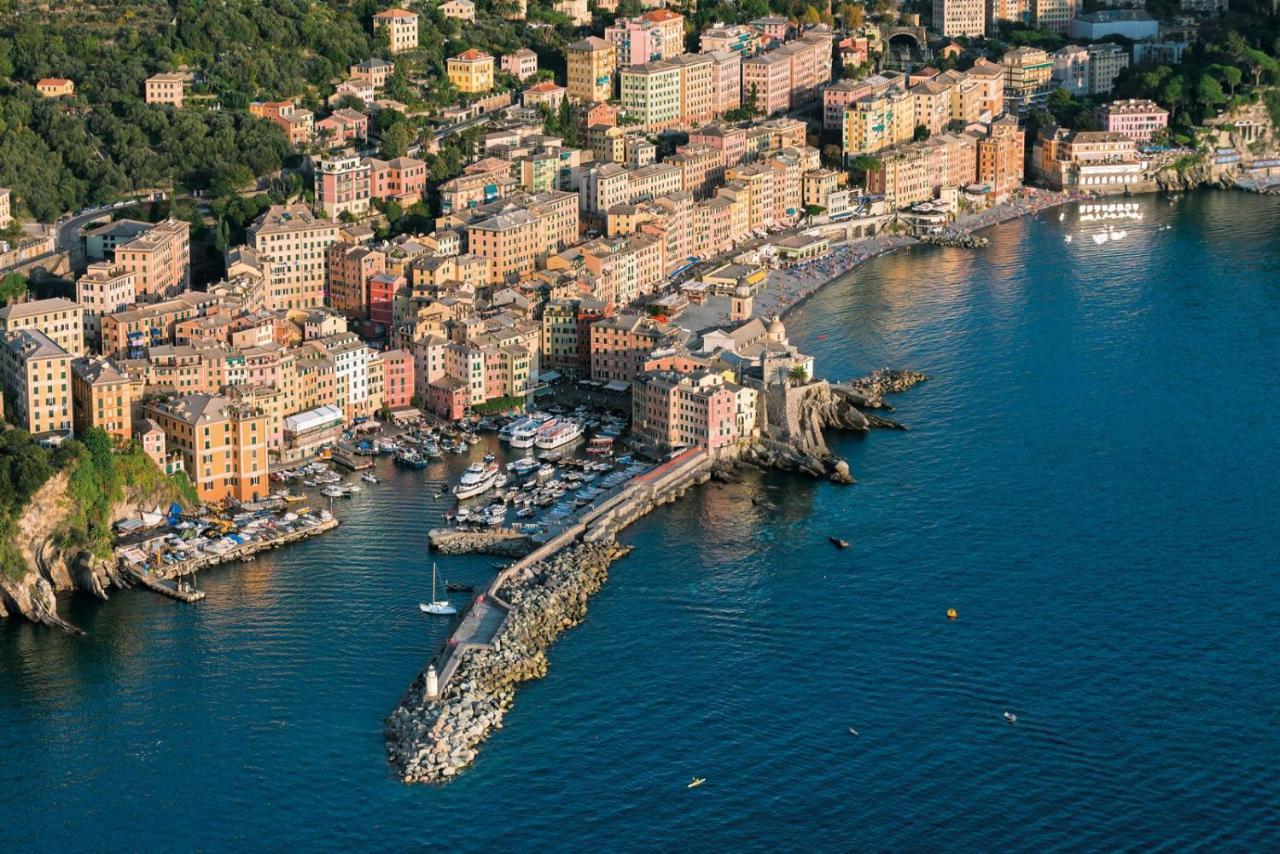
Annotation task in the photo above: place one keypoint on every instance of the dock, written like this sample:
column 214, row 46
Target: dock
column 181, row 590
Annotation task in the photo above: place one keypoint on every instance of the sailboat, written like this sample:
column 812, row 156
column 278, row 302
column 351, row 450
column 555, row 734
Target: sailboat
column 436, row 606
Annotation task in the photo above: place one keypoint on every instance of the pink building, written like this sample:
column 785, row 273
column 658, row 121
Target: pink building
column 732, row 142
column 403, row 179
column 766, row 79
column 838, row 96
column 344, row 125
column 637, row 41
column 672, row 410
column 397, row 391
column 447, row 397
column 150, row 435
column 1135, row 118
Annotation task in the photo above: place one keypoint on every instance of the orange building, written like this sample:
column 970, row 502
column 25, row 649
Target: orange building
column 223, row 444
column 159, row 259
column 101, row 396
column 55, row 87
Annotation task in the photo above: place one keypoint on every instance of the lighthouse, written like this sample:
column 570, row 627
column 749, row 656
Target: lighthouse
column 433, row 681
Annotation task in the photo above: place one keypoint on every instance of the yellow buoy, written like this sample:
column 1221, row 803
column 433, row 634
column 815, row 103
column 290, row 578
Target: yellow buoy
column 951, row 613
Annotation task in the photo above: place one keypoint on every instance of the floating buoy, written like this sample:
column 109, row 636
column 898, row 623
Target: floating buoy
column 951, row 614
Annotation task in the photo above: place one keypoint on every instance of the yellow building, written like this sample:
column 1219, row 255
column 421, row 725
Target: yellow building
column 401, row 27
column 877, row 122
column 55, row 87
column 60, row 319
column 471, row 71
column 591, row 63
column 36, row 373
column 101, row 396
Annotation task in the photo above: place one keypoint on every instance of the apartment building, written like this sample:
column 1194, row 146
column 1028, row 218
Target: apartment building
column 460, row 10
column 726, row 81
column 960, row 17
column 61, row 320
column 514, row 239
column 105, row 288
column 788, row 76
column 591, row 64
column 342, row 184
column 127, row 334
column 1028, row 79
column 293, row 241
column 1106, row 61
column 1055, row 15
column 915, row 172
column 1001, row 155
column 166, row 88
column 102, row 397
column 876, row 122
column 699, row 409
column 620, row 345
column 650, row 95
column 6, row 207
column 521, row 64
column 223, row 444
column 36, row 374
column 350, row 268
column 931, row 105
column 299, row 125
column 545, row 94
column 1138, row 119
column 376, row 72
column 652, row 36
column 734, row 38
column 401, row 28
column 471, row 71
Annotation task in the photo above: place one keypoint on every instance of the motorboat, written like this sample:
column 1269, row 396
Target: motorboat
column 1011, row 717
column 369, row 478
column 839, row 543
column 560, row 434
column 455, row 587
column 333, row 492
column 476, row 480
column 489, row 457
column 523, row 466
column 696, row 782
column 436, row 606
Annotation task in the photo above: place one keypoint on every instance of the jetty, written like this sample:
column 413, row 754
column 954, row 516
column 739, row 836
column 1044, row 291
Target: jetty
column 180, row 590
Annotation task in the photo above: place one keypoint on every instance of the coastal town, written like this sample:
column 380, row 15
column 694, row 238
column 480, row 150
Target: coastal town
column 563, row 256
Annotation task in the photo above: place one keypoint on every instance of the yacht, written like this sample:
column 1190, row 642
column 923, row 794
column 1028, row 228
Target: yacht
column 523, row 435
column 476, row 480
column 561, row 433
column 523, row 466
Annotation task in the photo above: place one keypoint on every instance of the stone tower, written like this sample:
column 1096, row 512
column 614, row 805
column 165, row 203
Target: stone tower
column 740, row 304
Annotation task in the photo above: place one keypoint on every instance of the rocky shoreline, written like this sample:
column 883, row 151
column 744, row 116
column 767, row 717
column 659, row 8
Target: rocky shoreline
column 431, row 740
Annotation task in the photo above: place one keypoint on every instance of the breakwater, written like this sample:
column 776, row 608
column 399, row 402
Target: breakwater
column 502, row 638
column 501, row 542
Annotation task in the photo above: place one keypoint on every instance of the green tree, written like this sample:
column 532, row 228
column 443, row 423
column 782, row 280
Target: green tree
column 13, row 288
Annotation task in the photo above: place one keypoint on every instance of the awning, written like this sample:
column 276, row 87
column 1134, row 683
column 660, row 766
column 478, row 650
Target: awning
column 549, row 376
column 367, row 426
column 616, row 385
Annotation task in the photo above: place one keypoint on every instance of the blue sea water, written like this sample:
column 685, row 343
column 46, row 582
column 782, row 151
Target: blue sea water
column 1090, row 479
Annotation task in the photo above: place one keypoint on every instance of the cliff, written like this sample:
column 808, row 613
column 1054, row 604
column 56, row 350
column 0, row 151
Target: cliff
column 47, row 550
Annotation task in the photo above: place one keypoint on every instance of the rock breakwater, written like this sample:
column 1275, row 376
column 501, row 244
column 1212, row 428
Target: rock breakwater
column 503, row 543
column 431, row 739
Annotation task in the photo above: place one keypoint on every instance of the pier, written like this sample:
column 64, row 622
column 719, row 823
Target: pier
column 180, row 590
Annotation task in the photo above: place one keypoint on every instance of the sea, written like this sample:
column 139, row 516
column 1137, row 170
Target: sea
column 1090, row 478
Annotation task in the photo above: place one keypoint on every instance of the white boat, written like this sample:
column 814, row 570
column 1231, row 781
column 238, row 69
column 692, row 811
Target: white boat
column 1011, row 717
column 562, row 433
column 369, row 478
column 1067, row 238
column 436, row 606
column 523, row 466
column 1100, row 238
column 523, row 434
column 333, row 492
column 476, row 480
